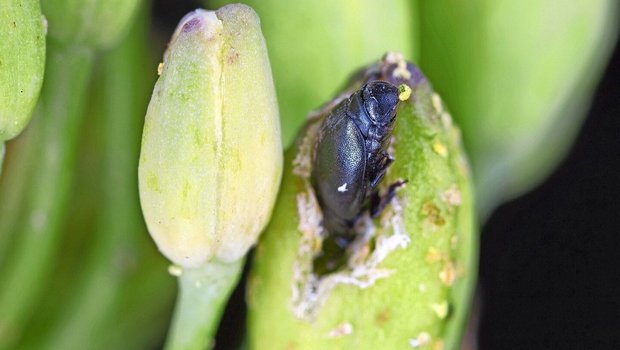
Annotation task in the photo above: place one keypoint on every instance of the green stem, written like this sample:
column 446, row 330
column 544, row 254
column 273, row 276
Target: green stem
column 19, row 165
column 56, row 128
column 202, row 297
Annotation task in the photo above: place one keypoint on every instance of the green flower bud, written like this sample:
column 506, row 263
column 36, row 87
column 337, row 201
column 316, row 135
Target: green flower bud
column 518, row 76
column 211, row 157
column 22, row 61
column 96, row 24
column 409, row 282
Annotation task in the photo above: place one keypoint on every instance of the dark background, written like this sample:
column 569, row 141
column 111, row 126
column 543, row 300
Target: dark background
column 550, row 260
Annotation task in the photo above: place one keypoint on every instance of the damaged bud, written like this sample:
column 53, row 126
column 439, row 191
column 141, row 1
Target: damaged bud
column 211, row 156
column 384, row 285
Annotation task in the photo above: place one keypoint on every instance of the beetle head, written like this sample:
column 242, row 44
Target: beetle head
column 380, row 100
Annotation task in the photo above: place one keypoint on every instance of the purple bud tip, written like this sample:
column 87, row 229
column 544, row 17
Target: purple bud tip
column 192, row 24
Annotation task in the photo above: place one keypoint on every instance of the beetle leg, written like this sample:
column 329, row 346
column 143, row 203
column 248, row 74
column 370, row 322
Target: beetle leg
column 387, row 160
column 378, row 203
column 384, row 162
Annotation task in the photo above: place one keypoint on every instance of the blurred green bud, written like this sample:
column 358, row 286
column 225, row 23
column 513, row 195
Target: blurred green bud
column 314, row 43
column 22, row 62
column 409, row 276
column 211, row 157
column 96, row 24
column 518, row 76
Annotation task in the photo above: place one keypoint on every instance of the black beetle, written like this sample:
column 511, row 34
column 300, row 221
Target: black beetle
column 349, row 161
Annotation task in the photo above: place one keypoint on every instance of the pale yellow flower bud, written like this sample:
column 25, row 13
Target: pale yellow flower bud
column 211, row 157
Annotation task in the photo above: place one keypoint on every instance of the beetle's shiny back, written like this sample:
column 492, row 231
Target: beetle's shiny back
column 351, row 154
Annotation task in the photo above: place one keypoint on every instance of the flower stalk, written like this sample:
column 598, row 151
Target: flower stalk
column 203, row 293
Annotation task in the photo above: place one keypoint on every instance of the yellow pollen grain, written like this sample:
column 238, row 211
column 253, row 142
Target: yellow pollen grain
column 342, row 329
column 440, row 149
column 447, row 275
column 401, row 70
column 436, row 101
column 440, row 309
column 404, row 92
column 446, row 119
column 433, row 255
column 160, row 68
column 175, row 270
column 421, row 340
column 452, row 196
